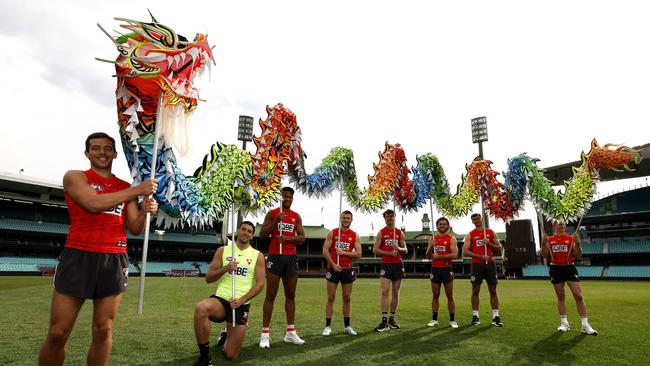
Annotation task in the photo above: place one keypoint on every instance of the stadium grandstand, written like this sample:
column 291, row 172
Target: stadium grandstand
column 616, row 236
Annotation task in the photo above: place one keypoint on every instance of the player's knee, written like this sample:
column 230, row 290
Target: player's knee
column 346, row 298
column 233, row 353
column 200, row 310
column 578, row 298
column 332, row 297
column 561, row 297
column 57, row 336
column 290, row 295
column 271, row 294
column 103, row 332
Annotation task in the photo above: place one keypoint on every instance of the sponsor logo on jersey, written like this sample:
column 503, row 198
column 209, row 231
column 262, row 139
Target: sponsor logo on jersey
column 342, row 245
column 117, row 210
column 440, row 248
column 285, row 227
column 559, row 248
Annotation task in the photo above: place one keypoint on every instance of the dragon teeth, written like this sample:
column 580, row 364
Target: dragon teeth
column 177, row 59
column 183, row 57
column 170, row 60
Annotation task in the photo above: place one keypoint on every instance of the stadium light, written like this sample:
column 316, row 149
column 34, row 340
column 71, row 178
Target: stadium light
column 245, row 130
column 480, row 135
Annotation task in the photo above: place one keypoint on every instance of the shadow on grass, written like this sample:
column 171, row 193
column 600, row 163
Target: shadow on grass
column 554, row 349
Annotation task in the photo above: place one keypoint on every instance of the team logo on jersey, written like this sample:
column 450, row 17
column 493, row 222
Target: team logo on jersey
column 96, row 187
column 328, row 275
column 382, row 272
column 269, row 265
column 248, row 260
column 125, row 272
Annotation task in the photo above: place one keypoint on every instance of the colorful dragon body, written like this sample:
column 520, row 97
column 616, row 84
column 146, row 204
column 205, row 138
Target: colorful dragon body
column 155, row 69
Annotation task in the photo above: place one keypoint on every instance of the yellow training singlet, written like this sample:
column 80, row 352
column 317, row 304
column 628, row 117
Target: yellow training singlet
column 244, row 275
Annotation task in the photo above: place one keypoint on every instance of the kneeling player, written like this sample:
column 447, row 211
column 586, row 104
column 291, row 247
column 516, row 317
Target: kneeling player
column 339, row 258
column 563, row 248
column 247, row 267
column 442, row 249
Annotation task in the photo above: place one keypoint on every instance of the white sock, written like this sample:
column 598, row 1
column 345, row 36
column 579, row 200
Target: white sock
column 474, row 312
column 584, row 321
column 495, row 313
column 563, row 319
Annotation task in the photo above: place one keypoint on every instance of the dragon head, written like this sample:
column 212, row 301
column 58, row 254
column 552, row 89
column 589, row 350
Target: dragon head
column 156, row 64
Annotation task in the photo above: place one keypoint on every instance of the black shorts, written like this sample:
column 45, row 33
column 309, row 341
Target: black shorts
column 561, row 274
column 241, row 313
column 282, row 265
column 441, row 274
column 392, row 271
column 89, row 275
column 485, row 271
column 347, row 275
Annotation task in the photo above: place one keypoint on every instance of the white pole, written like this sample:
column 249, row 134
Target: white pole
column 232, row 255
column 147, row 222
column 340, row 208
column 432, row 231
column 568, row 254
column 281, row 229
column 395, row 241
column 484, row 232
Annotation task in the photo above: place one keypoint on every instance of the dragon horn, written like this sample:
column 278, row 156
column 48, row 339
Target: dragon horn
column 108, row 35
column 152, row 18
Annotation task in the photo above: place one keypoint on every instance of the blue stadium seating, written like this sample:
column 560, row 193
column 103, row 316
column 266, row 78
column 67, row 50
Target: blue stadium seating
column 539, row 270
column 629, row 271
column 629, row 246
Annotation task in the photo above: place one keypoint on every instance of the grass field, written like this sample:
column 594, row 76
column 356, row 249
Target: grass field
column 163, row 335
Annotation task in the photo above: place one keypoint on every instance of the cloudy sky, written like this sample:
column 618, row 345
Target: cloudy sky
column 548, row 75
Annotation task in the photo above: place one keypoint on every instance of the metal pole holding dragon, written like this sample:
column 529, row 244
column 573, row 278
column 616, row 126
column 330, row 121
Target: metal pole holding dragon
column 147, row 222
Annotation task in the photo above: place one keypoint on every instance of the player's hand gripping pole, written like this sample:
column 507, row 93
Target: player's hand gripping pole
column 147, row 222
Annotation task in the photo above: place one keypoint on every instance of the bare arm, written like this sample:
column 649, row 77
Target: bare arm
column 356, row 253
column 577, row 246
column 376, row 248
column 268, row 224
column 430, row 245
column 216, row 268
column 136, row 215
column 326, row 250
column 467, row 244
column 495, row 243
column 401, row 245
column 75, row 183
column 299, row 238
column 544, row 250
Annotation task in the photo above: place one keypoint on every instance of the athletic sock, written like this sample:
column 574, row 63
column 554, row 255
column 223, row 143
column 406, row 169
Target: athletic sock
column 328, row 322
column 452, row 317
column 291, row 328
column 475, row 313
column 384, row 317
column 266, row 330
column 495, row 313
column 392, row 315
column 434, row 315
column 584, row 321
column 346, row 321
column 204, row 350
column 563, row 319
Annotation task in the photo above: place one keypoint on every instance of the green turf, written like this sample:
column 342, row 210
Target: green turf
column 164, row 334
